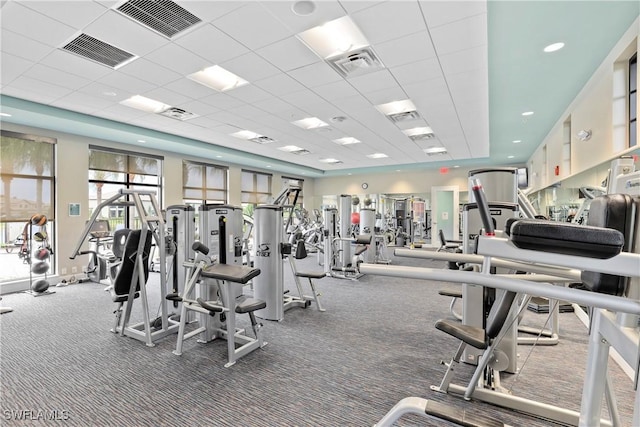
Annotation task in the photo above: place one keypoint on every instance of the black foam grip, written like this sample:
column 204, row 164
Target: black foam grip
column 199, row 247
column 483, row 206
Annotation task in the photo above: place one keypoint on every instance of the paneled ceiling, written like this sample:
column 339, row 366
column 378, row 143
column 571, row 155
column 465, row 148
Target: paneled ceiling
column 469, row 67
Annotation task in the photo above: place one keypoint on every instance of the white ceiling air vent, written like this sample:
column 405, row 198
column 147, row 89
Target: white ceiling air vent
column 163, row 16
column 98, row 51
column 356, row 63
column 178, row 114
column 262, row 139
column 405, row 116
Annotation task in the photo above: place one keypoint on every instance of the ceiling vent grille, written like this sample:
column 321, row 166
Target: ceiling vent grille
column 421, row 136
column 262, row 140
column 356, row 63
column 178, row 114
column 163, row 16
column 405, row 116
column 98, row 51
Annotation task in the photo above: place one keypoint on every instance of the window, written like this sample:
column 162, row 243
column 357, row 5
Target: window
column 633, row 100
column 255, row 189
column 111, row 170
column 28, row 187
column 203, row 182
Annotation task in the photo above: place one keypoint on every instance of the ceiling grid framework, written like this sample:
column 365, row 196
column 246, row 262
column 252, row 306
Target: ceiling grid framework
column 434, row 53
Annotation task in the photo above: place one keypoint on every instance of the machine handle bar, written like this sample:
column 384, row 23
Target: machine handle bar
column 483, row 207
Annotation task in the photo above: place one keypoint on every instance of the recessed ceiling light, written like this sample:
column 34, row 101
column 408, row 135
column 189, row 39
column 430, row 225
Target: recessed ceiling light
column 245, row 134
column 109, row 93
column 330, row 160
column 554, row 47
column 349, row 173
column 145, row 104
column 218, row 157
column 347, row 140
column 517, row 141
column 377, row 156
column 510, row 157
column 310, row 123
column 456, row 166
column 334, row 38
column 294, row 149
column 398, row 170
column 435, row 150
column 268, row 166
column 396, row 107
column 5, row 114
column 217, row 78
column 303, row 7
column 528, row 113
column 142, row 141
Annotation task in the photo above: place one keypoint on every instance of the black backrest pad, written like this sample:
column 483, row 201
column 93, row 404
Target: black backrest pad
column 119, row 241
column 617, row 211
column 301, row 250
column 498, row 313
column 127, row 270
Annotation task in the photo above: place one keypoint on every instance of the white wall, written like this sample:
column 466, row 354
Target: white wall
column 592, row 109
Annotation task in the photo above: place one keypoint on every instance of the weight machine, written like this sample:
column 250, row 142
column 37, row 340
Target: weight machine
column 152, row 229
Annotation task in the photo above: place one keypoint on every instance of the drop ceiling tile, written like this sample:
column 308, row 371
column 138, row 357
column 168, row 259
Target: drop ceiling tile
column 351, row 6
column 22, row 20
column 288, row 54
column 249, row 93
column 178, row 59
column 335, row 90
column 37, row 86
column 324, row 11
column 250, row 67
column 97, row 89
column 167, row 96
column 119, row 112
column 273, row 105
column 428, row 91
column 76, row 65
column 475, row 58
column 316, row 74
column 130, row 36
column 247, row 111
column 373, row 81
column 150, row 71
column 352, row 103
column 407, row 49
column 426, row 69
column 389, row 20
column 221, row 101
column 24, row 47
column 12, row 67
column 470, row 86
column 232, row 119
column 73, row 13
column 52, row 75
column 212, row 44
column 386, row 95
column 460, row 35
column 29, row 95
column 438, row 13
column 209, row 10
column 280, row 84
column 253, row 26
column 190, row 89
column 128, row 83
column 78, row 99
column 206, row 122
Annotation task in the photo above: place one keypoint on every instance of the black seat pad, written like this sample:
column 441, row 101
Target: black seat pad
column 471, row 335
column 247, row 305
column 121, row 298
column 448, row 293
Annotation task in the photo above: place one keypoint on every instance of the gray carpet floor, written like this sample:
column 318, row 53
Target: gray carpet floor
column 348, row 366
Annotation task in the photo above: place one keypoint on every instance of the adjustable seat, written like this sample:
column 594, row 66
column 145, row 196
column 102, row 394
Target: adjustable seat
column 448, row 245
column 301, row 253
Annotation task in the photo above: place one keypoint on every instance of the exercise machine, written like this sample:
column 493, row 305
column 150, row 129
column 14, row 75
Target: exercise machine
column 131, row 280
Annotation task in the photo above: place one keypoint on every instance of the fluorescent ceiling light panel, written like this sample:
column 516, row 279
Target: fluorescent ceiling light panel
column 330, row 160
column 554, row 47
column 425, row 130
column 310, row 123
column 145, row 104
column 347, row 140
column 396, row 107
column 245, row 134
column 435, row 150
column 290, row 148
column 334, row 38
column 217, row 78
column 377, row 156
